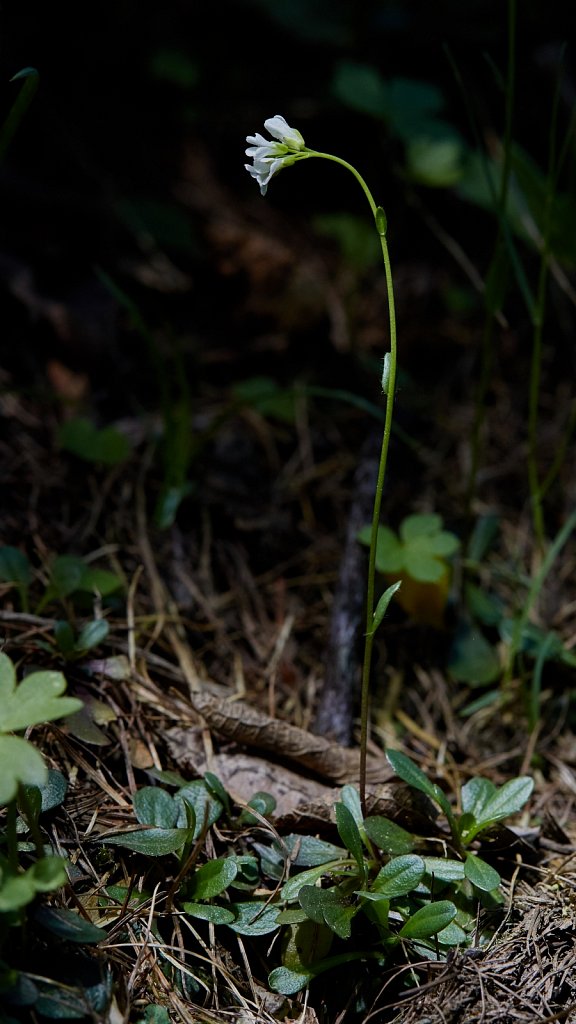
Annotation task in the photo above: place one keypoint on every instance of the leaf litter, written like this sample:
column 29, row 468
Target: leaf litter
column 216, row 663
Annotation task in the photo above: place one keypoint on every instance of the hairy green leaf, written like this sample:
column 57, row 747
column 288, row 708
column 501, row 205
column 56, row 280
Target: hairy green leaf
column 481, row 874
column 388, row 836
column 154, row 806
column 154, row 842
column 399, row 876
column 209, row 912
column 254, row 918
column 211, row 879
column 415, row 777
column 350, row 835
column 429, row 920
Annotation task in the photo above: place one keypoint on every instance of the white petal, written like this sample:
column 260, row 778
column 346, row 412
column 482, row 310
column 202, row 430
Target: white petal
column 257, row 140
column 281, row 130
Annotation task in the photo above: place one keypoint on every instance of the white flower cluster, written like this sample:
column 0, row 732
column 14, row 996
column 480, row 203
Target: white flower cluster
column 270, row 157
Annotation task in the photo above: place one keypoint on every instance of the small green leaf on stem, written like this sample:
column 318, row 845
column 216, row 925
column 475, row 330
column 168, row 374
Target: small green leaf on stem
column 382, row 606
column 381, row 221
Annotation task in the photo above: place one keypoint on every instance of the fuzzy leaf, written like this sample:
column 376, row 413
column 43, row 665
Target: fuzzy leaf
column 52, row 792
column 212, row 879
column 306, row 851
column 476, row 794
column 154, row 806
column 444, row 869
column 350, row 835
column 325, row 906
column 254, row 918
column 288, row 982
column 508, row 799
column 292, row 887
column 351, row 799
column 154, row 842
column 207, row 808
column 400, row 876
column 388, row 836
column 481, row 874
column 209, row 912
column 429, row 920
column 415, row 777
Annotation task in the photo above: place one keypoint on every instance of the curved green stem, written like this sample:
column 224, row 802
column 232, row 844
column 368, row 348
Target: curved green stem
column 379, row 221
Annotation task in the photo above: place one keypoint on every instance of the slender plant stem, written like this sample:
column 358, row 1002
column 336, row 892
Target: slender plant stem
column 379, row 220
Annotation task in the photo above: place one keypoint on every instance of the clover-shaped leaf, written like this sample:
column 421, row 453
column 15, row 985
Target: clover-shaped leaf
column 37, row 698
column 420, row 550
column 20, row 762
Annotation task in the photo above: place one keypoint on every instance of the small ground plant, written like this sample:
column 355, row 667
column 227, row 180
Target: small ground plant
column 379, row 890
